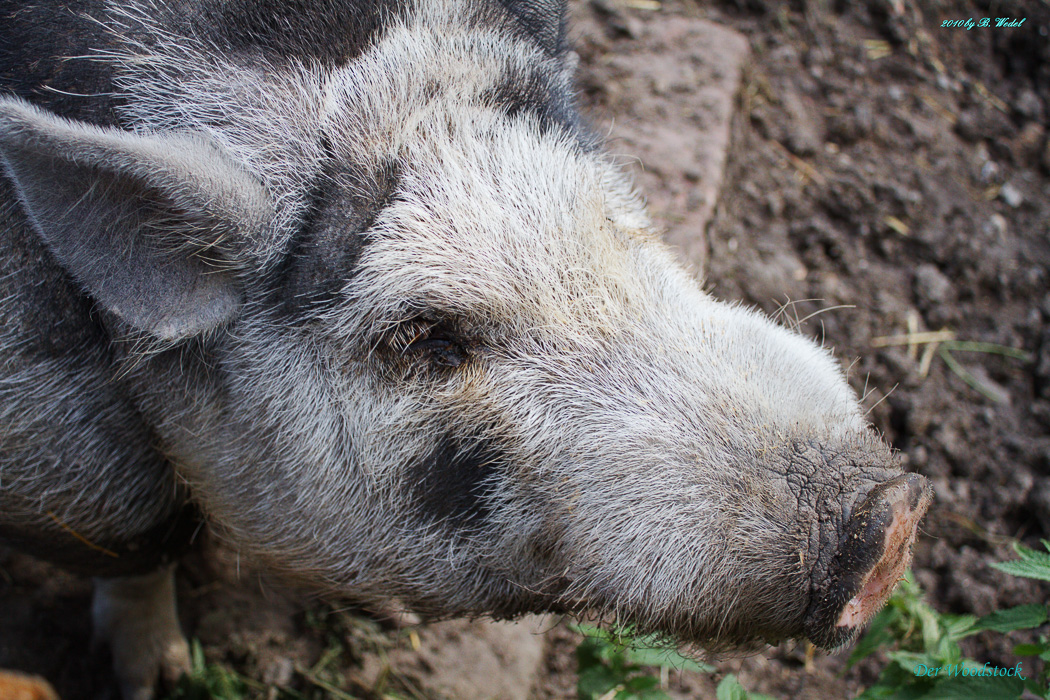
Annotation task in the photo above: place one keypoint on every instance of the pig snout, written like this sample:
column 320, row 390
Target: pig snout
column 873, row 553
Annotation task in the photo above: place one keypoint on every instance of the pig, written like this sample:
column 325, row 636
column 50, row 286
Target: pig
column 352, row 282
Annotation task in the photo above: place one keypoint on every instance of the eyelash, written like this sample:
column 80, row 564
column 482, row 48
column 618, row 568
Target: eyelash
column 434, row 340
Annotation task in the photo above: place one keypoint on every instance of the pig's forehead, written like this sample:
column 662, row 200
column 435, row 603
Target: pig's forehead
column 439, row 55
column 438, row 77
column 496, row 199
column 528, row 232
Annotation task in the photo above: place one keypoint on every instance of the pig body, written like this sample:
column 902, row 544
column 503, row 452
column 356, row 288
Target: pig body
column 352, row 282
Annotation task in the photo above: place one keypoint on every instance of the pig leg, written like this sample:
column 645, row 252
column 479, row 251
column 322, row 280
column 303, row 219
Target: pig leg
column 136, row 616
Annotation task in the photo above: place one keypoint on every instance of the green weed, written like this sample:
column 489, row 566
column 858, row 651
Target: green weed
column 616, row 665
column 208, row 681
column 613, row 664
column 922, row 645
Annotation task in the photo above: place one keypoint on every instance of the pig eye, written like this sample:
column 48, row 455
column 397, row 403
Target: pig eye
column 440, row 351
column 435, row 342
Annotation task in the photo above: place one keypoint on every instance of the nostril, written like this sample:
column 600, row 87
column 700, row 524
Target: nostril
column 872, row 557
column 911, row 488
column 898, row 507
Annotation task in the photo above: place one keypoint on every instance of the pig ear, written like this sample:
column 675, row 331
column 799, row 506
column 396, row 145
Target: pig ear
column 147, row 224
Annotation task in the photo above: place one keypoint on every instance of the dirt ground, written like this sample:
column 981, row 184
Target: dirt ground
column 886, row 176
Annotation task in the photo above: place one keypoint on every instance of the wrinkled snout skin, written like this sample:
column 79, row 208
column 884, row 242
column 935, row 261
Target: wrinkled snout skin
column 352, row 282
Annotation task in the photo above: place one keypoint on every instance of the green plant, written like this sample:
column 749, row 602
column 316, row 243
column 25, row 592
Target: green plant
column 208, row 681
column 614, row 664
column 1032, row 564
column 925, row 661
column 730, row 689
column 1036, row 565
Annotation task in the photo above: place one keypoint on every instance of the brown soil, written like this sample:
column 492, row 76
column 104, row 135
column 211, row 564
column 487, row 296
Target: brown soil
column 886, row 173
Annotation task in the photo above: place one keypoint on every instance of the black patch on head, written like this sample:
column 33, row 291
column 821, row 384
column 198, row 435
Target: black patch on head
column 45, row 46
column 332, row 31
column 323, row 257
column 42, row 50
column 542, row 21
column 529, row 91
column 449, row 484
column 546, row 97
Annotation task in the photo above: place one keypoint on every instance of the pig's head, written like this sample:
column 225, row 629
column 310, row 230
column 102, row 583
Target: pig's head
column 420, row 341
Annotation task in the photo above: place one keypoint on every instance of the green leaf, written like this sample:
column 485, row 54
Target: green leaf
column 1032, row 564
column 1038, row 689
column 931, row 627
column 208, row 681
column 653, row 694
column 958, row 626
column 615, row 657
column 614, row 636
column 197, row 663
column 639, row 683
column 909, row 659
column 898, row 683
column 1030, row 649
column 947, row 650
column 730, row 689
column 589, row 630
column 587, row 654
column 1021, row 617
column 652, row 641
column 594, row 682
column 643, row 695
column 667, row 658
column 642, row 688
column 1025, row 569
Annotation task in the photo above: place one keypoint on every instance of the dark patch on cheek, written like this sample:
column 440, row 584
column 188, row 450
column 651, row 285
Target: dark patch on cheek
column 450, row 484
